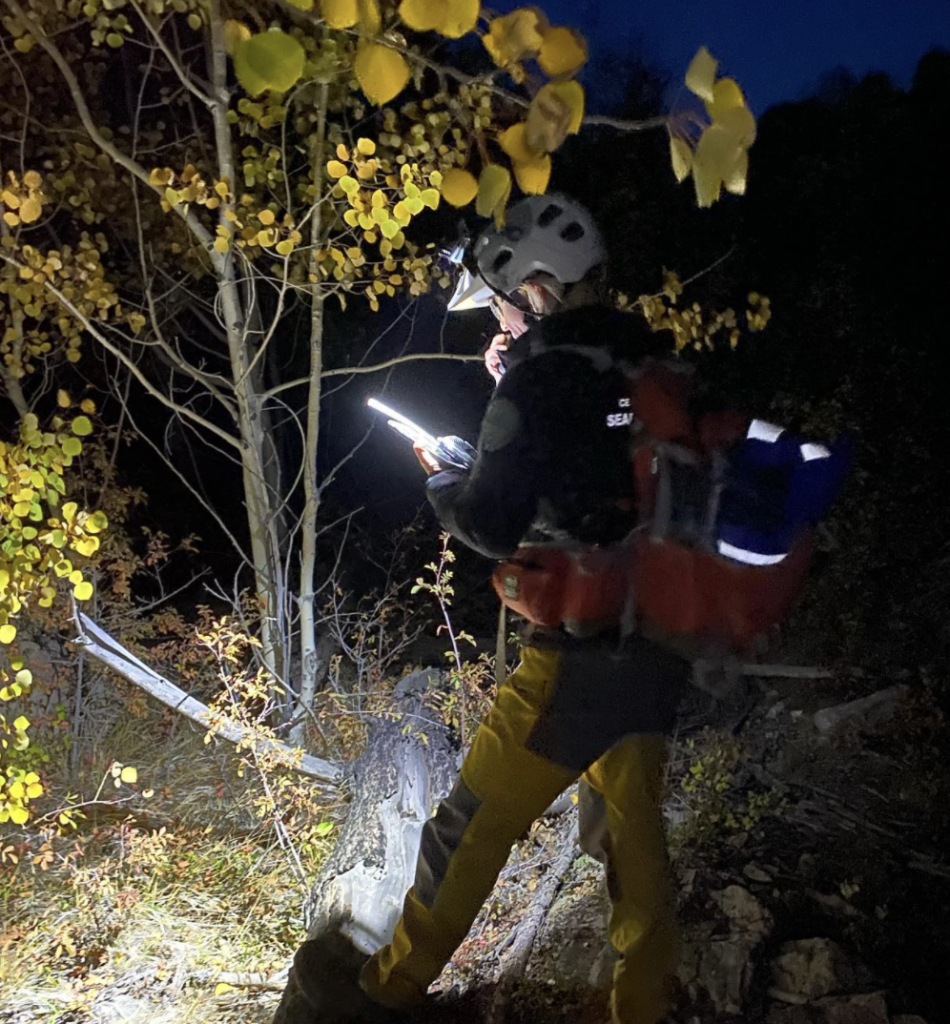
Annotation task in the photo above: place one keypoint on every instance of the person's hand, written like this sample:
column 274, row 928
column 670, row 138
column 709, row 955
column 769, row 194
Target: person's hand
column 428, row 462
column 493, row 360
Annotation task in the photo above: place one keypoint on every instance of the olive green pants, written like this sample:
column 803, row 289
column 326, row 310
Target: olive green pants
column 550, row 725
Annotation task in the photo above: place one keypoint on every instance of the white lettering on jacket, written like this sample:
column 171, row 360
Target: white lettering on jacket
column 619, row 419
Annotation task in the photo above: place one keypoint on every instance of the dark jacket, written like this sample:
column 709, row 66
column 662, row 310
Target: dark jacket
column 554, row 448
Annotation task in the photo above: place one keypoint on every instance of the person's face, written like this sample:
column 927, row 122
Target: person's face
column 511, row 320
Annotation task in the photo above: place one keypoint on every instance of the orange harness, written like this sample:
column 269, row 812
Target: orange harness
column 682, row 589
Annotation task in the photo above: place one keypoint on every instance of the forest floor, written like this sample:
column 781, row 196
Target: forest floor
column 807, row 861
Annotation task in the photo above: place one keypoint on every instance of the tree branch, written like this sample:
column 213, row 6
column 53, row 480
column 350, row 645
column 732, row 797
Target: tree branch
column 129, row 364
column 112, row 151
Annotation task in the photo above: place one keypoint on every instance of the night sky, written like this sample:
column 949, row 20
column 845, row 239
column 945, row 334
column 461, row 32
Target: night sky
column 777, row 49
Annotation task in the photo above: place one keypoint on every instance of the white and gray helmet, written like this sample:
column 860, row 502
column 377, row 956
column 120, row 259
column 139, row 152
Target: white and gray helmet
column 548, row 234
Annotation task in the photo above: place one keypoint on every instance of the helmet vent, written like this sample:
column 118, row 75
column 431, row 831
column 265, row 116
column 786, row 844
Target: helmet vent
column 549, row 215
column 502, row 260
column 574, row 232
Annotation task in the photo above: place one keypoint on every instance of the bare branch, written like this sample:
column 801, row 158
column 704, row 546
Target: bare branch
column 180, row 72
column 129, row 364
column 112, row 151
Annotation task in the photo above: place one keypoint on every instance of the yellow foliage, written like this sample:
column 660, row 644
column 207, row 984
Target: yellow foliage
column 459, row 187
column 515, row 37
column 681, row 156
column 235, row 33
column 381, row 71
column 340, row 13
column 450, row 18
column 563, row 51
column 514, row 144
column 556, row 112
column 701, row 74
column 720, row 158
column 534, row 176
column 494, row 190
column 269, row 61
column 370, row 17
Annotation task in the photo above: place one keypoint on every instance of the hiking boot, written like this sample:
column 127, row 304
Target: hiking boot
column 323, row 987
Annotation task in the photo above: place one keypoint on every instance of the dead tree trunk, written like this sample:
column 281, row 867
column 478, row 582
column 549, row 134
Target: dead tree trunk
column 409, row 765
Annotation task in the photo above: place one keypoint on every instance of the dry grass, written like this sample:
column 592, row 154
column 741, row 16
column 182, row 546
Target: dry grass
column 140, row 914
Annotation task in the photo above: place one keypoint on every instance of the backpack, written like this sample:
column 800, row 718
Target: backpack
column 725, row 513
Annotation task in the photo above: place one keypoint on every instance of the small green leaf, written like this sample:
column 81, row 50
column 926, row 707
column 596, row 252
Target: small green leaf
column 82, row 427
column 269, row 61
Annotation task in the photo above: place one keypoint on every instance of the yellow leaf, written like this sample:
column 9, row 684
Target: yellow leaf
column 24, row 677
column 30, row 210
column 88, row 405
column 515, row 36
column 681, row 157
column 494, row 188
column 63, row 400
column 129, row 774
column 716, row 156
column 335, row 169
column 381, row 72
column 459, row 187
column 366, row 146
column 420, row 15
column 32, row 179
column 370, row 18
column 21, row 723
column 266, row 217
column 514, row 144
column 11, row 218
column 726, row 94
column 222, row 988
column 10, row 199
column 221, row 245
column 82, row 426
column 269, row 61
column 19, row 815
column 302, row 5
column 82, row 591
column 457, row 17
column 430, row 197
column 533, row 177
column 563, row 51
column 285, row 247
column 7, row 633
column 735, row 180
column 739, row 123
column 235, row 33
column 701, row 74
column 556, row 111
column 340, row 13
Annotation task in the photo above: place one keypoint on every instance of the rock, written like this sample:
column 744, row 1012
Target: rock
column 865, row 1009
column 779, row 1013
column 866, row 714
column 747, row 917
column 811, row 968
column 721, row 967
column 757, row 874
column 573, row 943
